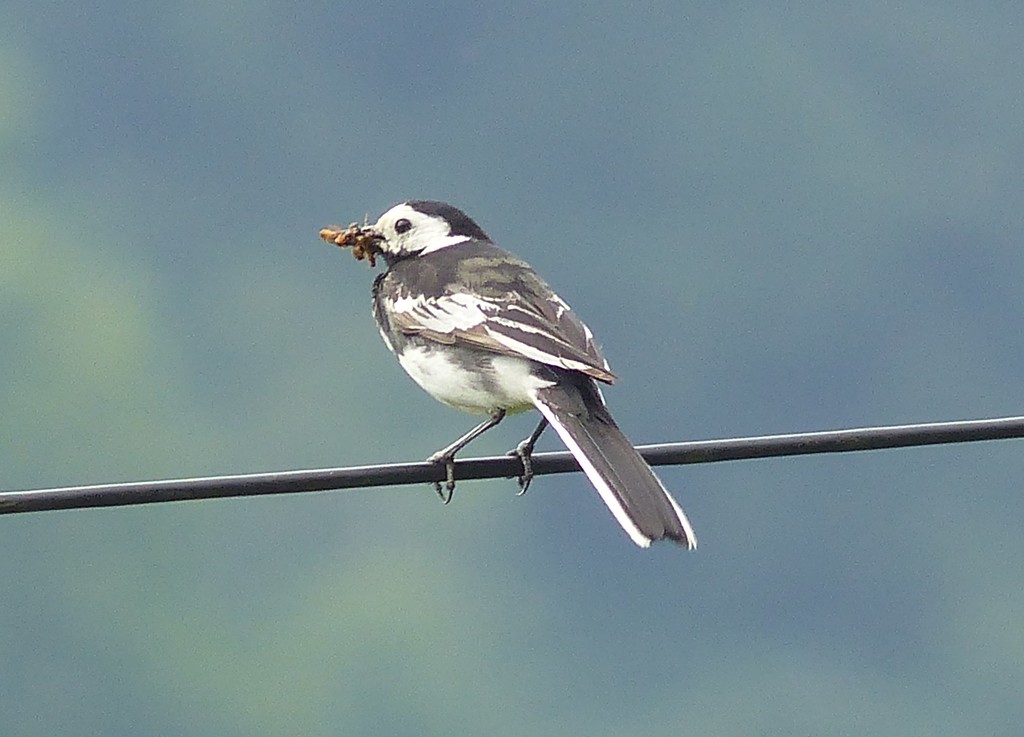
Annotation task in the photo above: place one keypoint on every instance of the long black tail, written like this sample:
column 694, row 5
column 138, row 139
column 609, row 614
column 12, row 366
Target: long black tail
column 636, row 497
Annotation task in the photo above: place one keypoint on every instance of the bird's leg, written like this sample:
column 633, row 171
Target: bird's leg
column 447, row 454
column 525, row 452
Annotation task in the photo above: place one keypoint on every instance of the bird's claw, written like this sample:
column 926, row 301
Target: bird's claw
column 449, row 472
column 524, row 451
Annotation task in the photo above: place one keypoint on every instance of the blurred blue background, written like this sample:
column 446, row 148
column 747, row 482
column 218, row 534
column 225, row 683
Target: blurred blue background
column 776, row 218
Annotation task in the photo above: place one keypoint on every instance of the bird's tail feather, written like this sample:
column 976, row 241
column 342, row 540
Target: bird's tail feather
column 626, row 483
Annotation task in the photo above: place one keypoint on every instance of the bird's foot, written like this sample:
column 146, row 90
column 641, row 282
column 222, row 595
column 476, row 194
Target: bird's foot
column 525, row 453
column 448, row 459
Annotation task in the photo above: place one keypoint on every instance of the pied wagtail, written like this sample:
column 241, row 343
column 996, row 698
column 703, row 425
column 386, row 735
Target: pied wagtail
column 479, row 330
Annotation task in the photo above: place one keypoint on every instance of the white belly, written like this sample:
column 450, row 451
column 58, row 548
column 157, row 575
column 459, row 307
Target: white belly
column 490, row 383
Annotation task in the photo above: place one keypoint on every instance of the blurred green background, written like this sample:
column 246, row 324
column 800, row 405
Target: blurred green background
column 776, row 218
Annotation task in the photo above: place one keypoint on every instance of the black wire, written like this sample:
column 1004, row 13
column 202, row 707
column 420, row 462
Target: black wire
column 702, row 451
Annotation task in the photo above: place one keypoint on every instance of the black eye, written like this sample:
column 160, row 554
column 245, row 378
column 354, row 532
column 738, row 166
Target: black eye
column 402, row 225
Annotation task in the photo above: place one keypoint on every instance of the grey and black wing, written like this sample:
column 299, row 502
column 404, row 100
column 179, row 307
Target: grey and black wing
column 534, row 323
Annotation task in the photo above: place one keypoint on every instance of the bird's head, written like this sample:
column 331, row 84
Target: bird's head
column 408, row 229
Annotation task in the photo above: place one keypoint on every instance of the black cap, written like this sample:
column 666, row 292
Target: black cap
column 460, row 222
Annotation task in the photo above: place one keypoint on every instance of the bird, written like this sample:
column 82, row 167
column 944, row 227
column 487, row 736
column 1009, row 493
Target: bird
column 481, row 331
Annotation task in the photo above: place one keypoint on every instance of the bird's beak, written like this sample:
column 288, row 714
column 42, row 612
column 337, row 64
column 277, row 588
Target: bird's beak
column 364, row 240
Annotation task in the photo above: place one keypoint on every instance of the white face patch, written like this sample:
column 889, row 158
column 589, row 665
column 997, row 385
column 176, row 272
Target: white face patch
column 407, row 230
